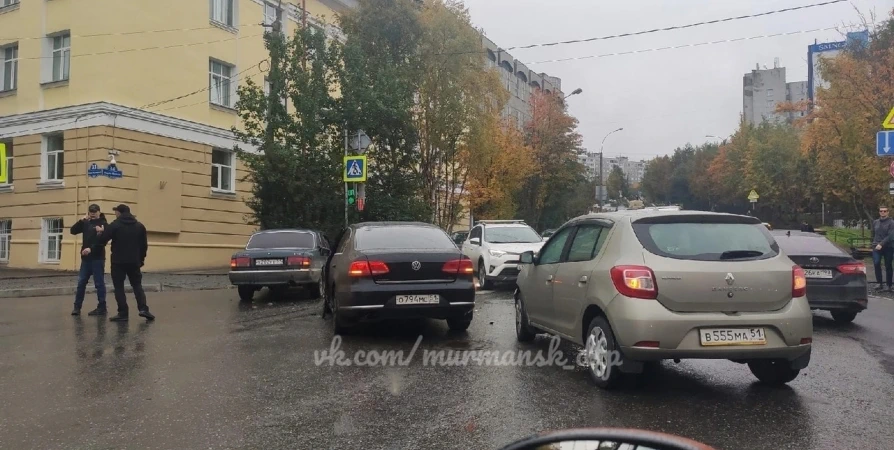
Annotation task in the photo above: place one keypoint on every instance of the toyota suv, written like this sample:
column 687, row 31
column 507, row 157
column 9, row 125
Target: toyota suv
column 494, row 247
column 637, row 287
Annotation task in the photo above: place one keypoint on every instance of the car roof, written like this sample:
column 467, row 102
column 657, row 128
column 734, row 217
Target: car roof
column 392, row 224
column 634, row 214
column 285, row 230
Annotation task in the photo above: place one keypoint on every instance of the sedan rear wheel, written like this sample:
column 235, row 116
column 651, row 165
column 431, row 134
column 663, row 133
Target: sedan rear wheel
column 844, row 316
column 523, row 331
column 600, row 347
column 459, row 323
column 773, row 371
column 246, row 293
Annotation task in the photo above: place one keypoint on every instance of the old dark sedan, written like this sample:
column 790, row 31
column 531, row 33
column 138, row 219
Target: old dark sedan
column 399, row 270
column 279, row 259
column 836, row 282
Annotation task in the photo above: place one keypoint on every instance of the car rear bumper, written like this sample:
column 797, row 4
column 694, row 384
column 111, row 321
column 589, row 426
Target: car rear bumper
column 272, row 277
column 378, row 302
column 637, row 321
column 838, row 298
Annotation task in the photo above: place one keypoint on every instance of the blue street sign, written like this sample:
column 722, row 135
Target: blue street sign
column 884, row 143
column 111, row 171
column 94, row 171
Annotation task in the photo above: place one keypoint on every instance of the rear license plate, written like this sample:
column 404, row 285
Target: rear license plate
column 732, row 336
column 817, row 273
column 418, row 300
column 268, row 262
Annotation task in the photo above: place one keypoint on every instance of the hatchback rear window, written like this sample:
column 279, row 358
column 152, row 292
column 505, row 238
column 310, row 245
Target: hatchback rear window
column 403, row 237
column 281, row 239
column 706, row 240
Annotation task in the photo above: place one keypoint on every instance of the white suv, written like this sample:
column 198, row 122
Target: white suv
column 494, row 247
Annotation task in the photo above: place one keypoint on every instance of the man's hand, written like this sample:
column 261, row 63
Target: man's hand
column 100, row 229
column 86, row 217
column 878, row 246
column 85, row 252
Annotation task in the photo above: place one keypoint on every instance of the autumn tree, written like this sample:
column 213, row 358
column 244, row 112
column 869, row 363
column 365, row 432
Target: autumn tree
column 656, row 184
column 498, row 163
column 617, row 185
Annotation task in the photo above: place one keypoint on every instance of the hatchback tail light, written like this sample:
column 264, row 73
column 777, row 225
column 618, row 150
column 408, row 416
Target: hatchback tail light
column 241, row 261
column 635, row 281
column 459, row 266
column 799, row 282
column 852, row 268
column 367, row 268
column 298, row 261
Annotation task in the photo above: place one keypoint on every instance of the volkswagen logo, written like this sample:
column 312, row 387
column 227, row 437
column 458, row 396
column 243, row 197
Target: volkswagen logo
column 730, row 279
column 416, row 265
column 814, row 260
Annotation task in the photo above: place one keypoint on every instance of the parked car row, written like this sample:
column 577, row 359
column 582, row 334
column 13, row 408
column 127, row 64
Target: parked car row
column 632, row 287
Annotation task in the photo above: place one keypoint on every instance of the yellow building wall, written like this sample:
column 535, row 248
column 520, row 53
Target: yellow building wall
column 134, row 53
column 189, row 226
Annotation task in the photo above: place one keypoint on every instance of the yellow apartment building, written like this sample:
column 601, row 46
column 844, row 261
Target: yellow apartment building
column 152, row 83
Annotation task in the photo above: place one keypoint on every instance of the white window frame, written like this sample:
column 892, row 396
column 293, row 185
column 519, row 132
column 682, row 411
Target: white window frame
column 47, row 155
column 769, row 93
column 60, row 52
column 8, row 3
column 270, row 8
column 5, row 238
column 218, row 168
column 218, row 12
column 48, row 235
column 9, row 72
column 220, row 78
column 9, row 164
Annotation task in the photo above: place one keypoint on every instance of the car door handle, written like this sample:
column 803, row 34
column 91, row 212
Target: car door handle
column 583, row 280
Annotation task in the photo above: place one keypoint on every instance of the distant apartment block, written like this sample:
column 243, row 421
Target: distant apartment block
column 764, row 89
column 633, row 170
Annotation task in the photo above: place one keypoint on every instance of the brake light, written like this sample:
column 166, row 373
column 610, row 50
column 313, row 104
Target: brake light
column 367, row 268
column 799, row 282
column 460, row 266
column 300, row 261
column 241, row 261
column 852, row 268
column 635, row 282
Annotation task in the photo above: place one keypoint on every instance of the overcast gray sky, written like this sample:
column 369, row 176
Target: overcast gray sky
column 668, row 98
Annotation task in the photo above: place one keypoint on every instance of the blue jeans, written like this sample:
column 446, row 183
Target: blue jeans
column 877, row 255
column 95, row 268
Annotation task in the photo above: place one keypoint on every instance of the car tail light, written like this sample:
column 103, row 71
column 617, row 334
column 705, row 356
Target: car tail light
column 799, row 282
column 635, row 281
column 806, row 341
column 649, row 344
column 300, row 261
column 367, row 268
column 241, row 261
column 852, row 268
column 461, row 266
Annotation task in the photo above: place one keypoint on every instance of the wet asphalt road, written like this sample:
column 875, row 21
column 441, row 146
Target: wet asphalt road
column 211, row 373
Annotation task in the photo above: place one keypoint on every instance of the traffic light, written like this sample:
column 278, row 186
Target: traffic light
column 352, row 196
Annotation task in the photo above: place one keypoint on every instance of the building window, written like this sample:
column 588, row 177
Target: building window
column 269, row 13
column 5, row 236
column 221, row 84
column 10, row 73
column 771, row 104
column 285, row 98
column 53, row 158
column 8, row 163
column 51, row 240
column 769, row 92
column 222, row 173
column 61, row 56
column 224, row 12
column 5, row 3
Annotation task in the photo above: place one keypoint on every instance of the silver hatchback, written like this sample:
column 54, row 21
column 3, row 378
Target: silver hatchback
column 635, row 287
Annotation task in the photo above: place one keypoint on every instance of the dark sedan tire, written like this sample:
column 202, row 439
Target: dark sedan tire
column 246, row 293
column 844, row 316
column 773, row 372
column 459, row 323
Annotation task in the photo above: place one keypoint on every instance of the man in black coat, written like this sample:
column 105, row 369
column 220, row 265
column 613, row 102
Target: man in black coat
column 93, row 263
column 129, row 246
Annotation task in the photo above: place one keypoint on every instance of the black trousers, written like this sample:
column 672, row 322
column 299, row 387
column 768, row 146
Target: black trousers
column 132, row 273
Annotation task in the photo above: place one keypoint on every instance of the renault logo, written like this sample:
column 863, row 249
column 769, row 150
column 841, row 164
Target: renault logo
column 730, row 279
column 416, row 265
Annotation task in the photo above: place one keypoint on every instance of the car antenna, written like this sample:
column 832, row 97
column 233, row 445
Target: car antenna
column 788, row 233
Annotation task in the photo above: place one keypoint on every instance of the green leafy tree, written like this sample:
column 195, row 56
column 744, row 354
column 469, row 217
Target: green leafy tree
column 617, row 185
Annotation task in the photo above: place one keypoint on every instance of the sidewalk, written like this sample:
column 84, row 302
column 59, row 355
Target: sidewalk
column 23, row 283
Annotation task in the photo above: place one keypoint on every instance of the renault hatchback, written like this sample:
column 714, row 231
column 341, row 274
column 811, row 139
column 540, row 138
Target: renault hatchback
column 635, row 287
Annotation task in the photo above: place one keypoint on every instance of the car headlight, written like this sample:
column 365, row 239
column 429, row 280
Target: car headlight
column 496, row 253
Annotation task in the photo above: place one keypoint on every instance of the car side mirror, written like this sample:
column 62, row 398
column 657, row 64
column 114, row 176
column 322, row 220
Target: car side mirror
column 325, row 251
column 475, row 241
column 527, row 257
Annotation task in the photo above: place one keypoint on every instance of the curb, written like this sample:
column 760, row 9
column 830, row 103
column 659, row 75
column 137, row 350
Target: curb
column 110, row 290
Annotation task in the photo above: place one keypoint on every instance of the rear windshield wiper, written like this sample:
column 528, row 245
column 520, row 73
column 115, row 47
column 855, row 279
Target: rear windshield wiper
column 737, row 254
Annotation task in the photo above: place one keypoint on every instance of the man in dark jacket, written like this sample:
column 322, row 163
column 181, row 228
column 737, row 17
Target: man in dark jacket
column 93, row 263
column 129, row 246
column 883, row 246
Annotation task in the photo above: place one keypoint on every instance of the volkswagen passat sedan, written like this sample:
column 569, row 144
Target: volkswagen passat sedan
column 398, row 270
column 635, row 287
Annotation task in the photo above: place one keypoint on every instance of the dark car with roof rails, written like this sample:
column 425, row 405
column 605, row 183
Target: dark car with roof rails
column 279, row 259
column 398, row 270
column 836, row 282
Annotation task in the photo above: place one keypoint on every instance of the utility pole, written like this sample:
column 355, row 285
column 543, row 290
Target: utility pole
column 275, row 78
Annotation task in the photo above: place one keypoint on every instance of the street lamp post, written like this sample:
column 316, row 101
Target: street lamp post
column 575, row 92
column 599, row 188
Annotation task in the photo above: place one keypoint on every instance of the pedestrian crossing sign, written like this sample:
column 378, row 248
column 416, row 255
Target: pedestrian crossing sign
column 355, row 169
column 4, row 177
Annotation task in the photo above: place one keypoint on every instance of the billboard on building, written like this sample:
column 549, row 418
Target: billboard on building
column 827, row 50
